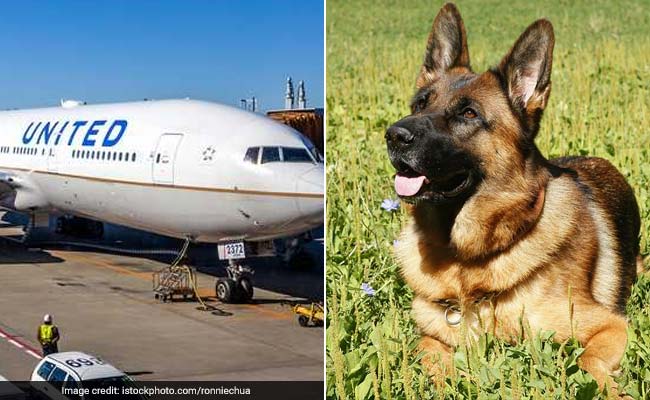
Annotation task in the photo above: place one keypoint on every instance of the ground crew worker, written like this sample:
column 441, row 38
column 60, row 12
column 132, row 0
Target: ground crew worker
column 48, row 336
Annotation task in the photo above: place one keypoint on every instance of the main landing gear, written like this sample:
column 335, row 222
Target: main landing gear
column 180, row 280
column 238, row 286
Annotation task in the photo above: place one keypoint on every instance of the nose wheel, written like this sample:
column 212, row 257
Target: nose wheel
column 237, row 287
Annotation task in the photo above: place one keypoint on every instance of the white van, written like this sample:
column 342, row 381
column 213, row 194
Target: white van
column 75, row 375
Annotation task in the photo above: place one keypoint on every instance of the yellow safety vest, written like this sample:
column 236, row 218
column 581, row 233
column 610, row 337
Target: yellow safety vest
column 46, row 333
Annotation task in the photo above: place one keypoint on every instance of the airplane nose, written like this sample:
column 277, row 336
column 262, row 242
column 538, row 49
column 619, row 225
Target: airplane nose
column 310, row 187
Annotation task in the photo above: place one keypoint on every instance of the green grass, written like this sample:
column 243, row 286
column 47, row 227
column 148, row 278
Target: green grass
column 600, row 106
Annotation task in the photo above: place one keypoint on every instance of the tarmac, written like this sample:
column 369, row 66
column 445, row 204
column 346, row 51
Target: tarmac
column 103, row 304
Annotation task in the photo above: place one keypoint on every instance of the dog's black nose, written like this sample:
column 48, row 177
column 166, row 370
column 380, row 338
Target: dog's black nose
column 397, row 134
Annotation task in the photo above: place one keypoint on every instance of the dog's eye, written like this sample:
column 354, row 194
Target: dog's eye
column 419, row 104
column 420, row 101
column 469, row 113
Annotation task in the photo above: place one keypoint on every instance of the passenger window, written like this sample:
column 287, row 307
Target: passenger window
column 45, row 369
column 251, row 155
column 57, row 378
column 270, row 154
column 133, row 157
column 120, row 156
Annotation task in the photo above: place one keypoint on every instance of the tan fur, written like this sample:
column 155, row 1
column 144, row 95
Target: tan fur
column 532, row 276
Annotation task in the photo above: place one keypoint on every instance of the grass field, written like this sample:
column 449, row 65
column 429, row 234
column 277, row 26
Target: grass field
column 600, row 106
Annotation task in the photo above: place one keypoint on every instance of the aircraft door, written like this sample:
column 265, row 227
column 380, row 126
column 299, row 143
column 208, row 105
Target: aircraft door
column 164, row 157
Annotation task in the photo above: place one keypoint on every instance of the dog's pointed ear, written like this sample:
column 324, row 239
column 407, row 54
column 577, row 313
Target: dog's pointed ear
column 526, row 70
column 446, row 46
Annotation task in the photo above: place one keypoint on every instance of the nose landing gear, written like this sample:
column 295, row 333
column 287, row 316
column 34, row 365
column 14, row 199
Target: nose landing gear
column 238, row 286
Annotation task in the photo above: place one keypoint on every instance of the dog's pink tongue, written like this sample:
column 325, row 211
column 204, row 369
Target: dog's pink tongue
column 405, row 186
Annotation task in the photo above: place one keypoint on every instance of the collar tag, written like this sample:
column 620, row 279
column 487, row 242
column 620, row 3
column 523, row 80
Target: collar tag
column 453, row 315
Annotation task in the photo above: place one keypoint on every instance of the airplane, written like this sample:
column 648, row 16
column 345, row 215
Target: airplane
column 189, row 169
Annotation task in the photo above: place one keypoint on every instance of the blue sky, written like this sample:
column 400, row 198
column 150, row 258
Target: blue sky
column 105, row 51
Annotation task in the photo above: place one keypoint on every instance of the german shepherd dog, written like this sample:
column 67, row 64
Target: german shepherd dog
column 498, row 234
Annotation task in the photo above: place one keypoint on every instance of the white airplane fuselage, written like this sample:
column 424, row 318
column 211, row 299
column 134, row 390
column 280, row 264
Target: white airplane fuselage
column 180, row 168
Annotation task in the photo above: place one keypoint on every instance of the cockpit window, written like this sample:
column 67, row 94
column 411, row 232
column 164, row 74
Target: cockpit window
column 251, row 155
column 282, row 154
column 312, row 149
column 296, row 154
column 270, row 154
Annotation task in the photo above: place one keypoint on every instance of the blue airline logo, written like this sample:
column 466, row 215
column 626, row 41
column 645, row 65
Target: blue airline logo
column 89, row 133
